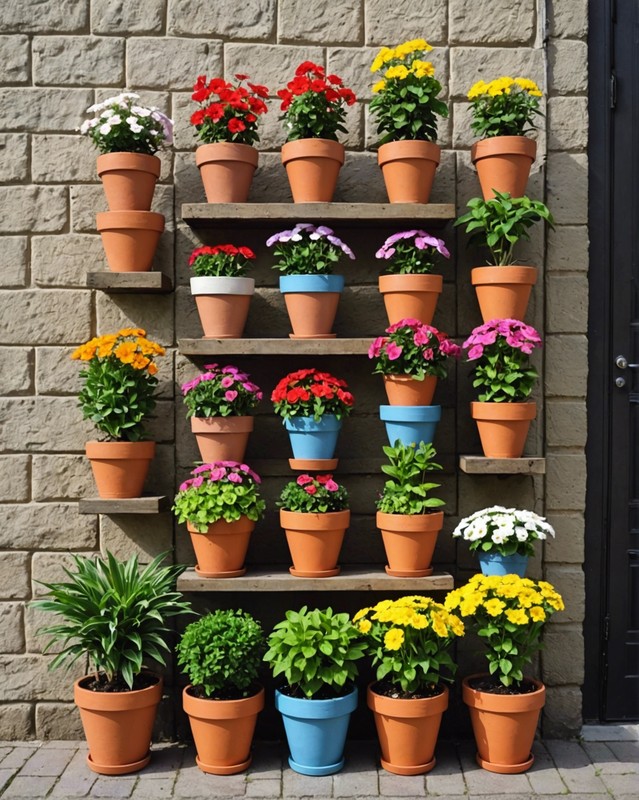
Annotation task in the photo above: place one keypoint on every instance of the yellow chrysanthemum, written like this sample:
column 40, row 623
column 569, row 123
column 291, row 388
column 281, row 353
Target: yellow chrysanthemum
column 383, row 57
column 456, row 625
column 361, row 613
column 422, row 69
column 517, row 616
column 394, row 639
column 365, row 625
column 476, row 90
column 125, row 352
column 528, row 86
column 379, row 86
column 132, row 332
column 406, row 48
column 419, row 622
column 537, row 614
column 399, row 71
column 494, row 607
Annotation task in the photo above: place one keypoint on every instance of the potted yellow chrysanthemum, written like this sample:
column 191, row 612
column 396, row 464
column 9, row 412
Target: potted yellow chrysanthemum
column 119, row 383
column 503, row 112
column 406, row 107
column 408, row 640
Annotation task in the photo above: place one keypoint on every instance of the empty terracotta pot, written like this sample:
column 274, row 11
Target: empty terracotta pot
column 129, row 238
column 315, row 541
column 223, row 305
column 503, row 292
column 409, row 542
column 410, row 296
column 503, row 427
column 221, row 551
column 404, row 390
column 503, row 164
column 226, row 170
column 312, row 168
column 128, row 180
column 408, row 168
column 120, row 468
column 222, row 438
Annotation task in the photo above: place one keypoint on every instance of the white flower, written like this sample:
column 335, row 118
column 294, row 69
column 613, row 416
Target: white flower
column 116, row 119
column 108, row 112
column 498, row 538
column 521, row 533
column 86, row 126
column 153, row 132
column 105, row 129
column 132, row 120
column 141, row 111
column 135, row 128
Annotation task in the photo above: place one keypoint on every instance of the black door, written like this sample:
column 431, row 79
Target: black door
column 612, row 512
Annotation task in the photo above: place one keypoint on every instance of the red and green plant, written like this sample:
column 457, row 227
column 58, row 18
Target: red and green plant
column 221, row 260
column 228, row 112
column 311, row 393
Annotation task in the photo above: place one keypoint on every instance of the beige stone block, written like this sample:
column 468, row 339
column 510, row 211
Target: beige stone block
column 125, row 535
column 12, row 622
column 53, row 525
column 56, row 372
column 562, row 716
column 16, row 721
column 14, row 575
column 480, row 491
column 295, row 24
column 254, row 19
column 568, row 546
column 13, row 262
column 277, row 63
column 563, row 656
column 43, row 423
column 78, row 60
column 567, row 248
column 565, row 482
column 15, row 474
column 567, row 123
column 58, row 721
column 390, row 23
column 469, row 64
column 567, row 303
column 14, row 59
column 270, row 184
column 568, row 19
column 16, row 368
column 14, row 164
column 171, row 63
column 160, row 427
column 62, row 158
column 63, row 261
column 51, row 316
column 33, row 209
column 154, row 313
column 566, row 423
column 26, row 677
column 39, row 109
column 360, row 180
column 568, row 66
column 566, row 365
column 31, row 16
column 50, row 568
column 61, row 478
column 568, row 187
column 121, row 16
column 184, row 134
column 491, row 22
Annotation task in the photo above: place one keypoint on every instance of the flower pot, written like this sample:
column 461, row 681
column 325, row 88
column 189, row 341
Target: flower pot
column 311, row 303
column 120, row 468
column 410, row 296
column 503, row 164
column 223, row 305
column 128, row 180
column 129, row 238
column 117, row 726
column 503, row 427
column 404, row 390
column 226, row 170
column 316, row 731
column 222, row 438
column 410, row 424
column 315, row 541
column 504, row 726
column 223, row 731
column 408, row 169
column 496, row 564
column 312, row 168
column 221, row 551
column 407, row 730
column 313, row 440
column 503, row 292
column 409, row 542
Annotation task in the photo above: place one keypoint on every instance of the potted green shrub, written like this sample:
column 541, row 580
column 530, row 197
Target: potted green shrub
column 406, row 515
column 220, row 504
column 221, row 654
column 316, row 653
column 315, row 515
column 114, row 614
column 408, row 640
column 503, row 288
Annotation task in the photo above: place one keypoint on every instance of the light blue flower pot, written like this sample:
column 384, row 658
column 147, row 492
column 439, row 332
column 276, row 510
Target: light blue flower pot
column 496, row 564
column 311, row 283
column 410, row 424
column 313, row 440
column 316, row 731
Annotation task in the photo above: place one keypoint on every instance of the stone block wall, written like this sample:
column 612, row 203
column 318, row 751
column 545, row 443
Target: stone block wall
column 58, row 58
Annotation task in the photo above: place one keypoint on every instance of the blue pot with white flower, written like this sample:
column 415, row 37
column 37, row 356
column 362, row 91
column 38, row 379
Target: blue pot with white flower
column 410, row 424
column 311, row 439
column 493, row 563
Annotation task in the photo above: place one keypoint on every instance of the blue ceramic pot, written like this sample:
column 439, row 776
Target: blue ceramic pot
column 410, row 423
column 311, row 283
column 496, row 564
column 312, row 440
column 316, row 731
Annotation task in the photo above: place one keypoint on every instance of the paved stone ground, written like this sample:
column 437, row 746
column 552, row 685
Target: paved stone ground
column 590, row 770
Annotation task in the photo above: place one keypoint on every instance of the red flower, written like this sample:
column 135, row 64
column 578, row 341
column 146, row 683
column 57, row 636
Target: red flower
column 324, row 478
column 246, row 252
column 200, row 82
column 318, row 85
column 250, row 118
column 335, row 79
column 217, row 85
column 236, row 125
column 332, row 95
column 304, row 479
column 197, row 117
column 200, row 95
column 260, row 91
column 299, row 85
column 348, row 96
column 258, row 106
column 308, row 66
column 240, row 77
column 310, row 489
column 214, row 112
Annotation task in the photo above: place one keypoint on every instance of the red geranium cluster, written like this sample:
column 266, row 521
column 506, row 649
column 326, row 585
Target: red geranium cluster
column 313, row 103
column 228, row 113
column 310, row 393
column 222, row 260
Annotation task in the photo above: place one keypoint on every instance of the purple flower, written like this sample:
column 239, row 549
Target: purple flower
column 230, row 395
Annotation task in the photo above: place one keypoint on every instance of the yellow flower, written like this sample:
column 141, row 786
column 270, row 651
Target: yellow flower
column 406, row 48
column 126, row 352
column 422, row 69
column 379, row 86
column 517, row 616
column 528, row 86
column 439, row 625
column 556, row 602
column 537, row 614
column 419, row 622
column 361, row 613
column 383, row 57
column 153, row 368
column 399, row 71
column 476, row 90
column 394, row 639
column 494, row 607
column 140, row 362
column 456, row 625
column 132, row 332
column 365, row 625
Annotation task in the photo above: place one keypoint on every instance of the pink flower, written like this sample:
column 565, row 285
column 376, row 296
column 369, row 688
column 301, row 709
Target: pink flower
column 393, row 351
column 310, row 489
column 210, row 367
column 198, row 481
column 428, row 354
column 331, row 486
column 449, row 348
column 230, row 370
column 226, row 382
column 376, row 348
column 304, row 479
column 217, row 474
column 475, row 352
column 184, row 486
column 230, row 395
column 235, row 477
column 420, row 337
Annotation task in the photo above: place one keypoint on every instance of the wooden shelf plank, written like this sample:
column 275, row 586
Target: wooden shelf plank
column 480, row 465
column 129, row 505
column 351, row 579
column 120, row 282
column 271, row 347
column 267, row 215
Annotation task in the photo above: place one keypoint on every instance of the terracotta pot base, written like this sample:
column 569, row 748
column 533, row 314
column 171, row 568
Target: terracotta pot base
column 234, row 573
column 408, row 573
column 313, row 464
column 314, row 336
column 232, row 770
column 121, row 769
column 327, row 573
column 505, row 769
column 418, row 770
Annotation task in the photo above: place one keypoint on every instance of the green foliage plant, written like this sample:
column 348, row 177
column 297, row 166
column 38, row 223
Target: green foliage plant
column 501, row 222
column 313, row 495
column 114, row 613
column 221, row 653
column 315, row 651
column 407, row 490
column 504, row 107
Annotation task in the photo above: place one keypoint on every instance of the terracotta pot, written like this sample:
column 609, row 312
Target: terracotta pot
column 311, row 303
column 410, row 296
column 315, row 541
column 130, row 238
column 118, row 726
column 407, row 730
column 120, row 468
column 129, row 180
column 503, row 427
column 504, row 726
column 223, row 731
column 503, row 164
column 312, row 168
column 221, row 551
column 503, row 292
column 408, row 169
column 222, row 438
column 409, row 542
column 223, row 305
column 226, row 170
column 404, row 390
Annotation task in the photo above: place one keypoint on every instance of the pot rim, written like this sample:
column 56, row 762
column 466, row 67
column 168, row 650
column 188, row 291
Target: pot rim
column 288, row 284
column 431, row 282
column 410, row 523
column 407, row 707
column 209, row 708
column 512, row 273
column 223, row 284
column 504, row 145
column 314, row 520
column 118, row 701
column 119, row 450
column 502, row 703
column 526, row 410
column 224, row 528
column 316, row 709
column 230, row 424
column 417, row 148
column 226, row 151
column 138, row 162
column 432, row 413
column 313, row 148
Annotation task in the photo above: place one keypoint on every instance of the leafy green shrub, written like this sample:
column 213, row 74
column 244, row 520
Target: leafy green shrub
column 504, row 107
column 407, row 490
column 308, row 495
